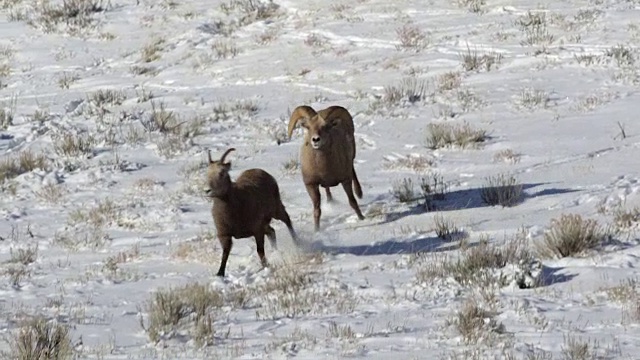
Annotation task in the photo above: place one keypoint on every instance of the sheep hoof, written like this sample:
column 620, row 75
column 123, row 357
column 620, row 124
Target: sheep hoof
column 220, row 274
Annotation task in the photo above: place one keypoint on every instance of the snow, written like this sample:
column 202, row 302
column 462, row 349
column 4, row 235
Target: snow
column 360, row 295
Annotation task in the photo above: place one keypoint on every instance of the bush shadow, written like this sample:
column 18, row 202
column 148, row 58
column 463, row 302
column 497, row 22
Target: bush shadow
column 468, row 199
column 551, row 275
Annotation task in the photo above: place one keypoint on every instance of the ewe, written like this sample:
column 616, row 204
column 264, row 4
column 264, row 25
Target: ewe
column 245, row 207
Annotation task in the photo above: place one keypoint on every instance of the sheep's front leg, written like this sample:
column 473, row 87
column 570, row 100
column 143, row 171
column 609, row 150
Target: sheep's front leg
column 260, row 247
column 347, row 186
column 226, row 243
column 314, row 193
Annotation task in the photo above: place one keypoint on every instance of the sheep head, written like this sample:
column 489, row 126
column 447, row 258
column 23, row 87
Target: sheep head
column 318, row 127
column 218, row 179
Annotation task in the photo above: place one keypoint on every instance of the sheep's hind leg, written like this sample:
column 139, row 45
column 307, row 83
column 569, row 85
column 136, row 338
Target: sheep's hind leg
column 329, row 196
column 347, row 186
column 271, row 235
column 226, row 243
column 356, row 184
column 314, row 193
column 283, row 216
column 260, row 247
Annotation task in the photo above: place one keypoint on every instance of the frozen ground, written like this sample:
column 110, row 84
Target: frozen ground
column 118, row 211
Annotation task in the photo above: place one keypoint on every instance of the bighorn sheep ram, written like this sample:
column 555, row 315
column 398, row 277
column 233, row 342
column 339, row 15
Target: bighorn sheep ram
column 327, row 154
column 245, row 207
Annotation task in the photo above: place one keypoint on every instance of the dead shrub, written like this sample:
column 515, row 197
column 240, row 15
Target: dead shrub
column 403, row 190
column 73, row 145
column 40, row 339
column 475, row 323
column 411, row 38
column 501, row 190
column 481, row 263
column 571, row 235
column 441, row 135
column 24, row 256
column 173, row 310
column 75, row 15
column 446, row 229
column 25, row 161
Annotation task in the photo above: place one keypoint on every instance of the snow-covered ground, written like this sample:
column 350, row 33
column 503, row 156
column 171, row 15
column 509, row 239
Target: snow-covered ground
column 117, row 212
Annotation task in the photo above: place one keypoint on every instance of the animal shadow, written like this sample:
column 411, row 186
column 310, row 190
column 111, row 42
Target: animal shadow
column 388, row 247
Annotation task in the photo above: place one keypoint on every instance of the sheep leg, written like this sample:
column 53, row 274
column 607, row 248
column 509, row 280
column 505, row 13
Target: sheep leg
column 226, row 243
column 347, row 186
column 314, row 193
column 260, row 247
column 283, row 216
column 329, row 196
column 356, row 184
column 271, row 235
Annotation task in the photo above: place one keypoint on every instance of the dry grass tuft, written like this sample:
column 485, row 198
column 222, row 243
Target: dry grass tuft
column 403, row 190
column 501, row 190
column 73, row 16
column 25, row 161
column 225, row 49
column 288, row 292
column 482, row 264
column 51, row 193
column 571, row 235
column 475, row 323
column 24, row 256
column 73, row 145
column 474, row 6
column 531, row 99
column 471, row 61
column 625, row 219
column 507, row 156
column 152, row 51
column 432, row 189
column 449, row 81
column 409, row 91
column 411, row 38
column 187, row 309
column 40, row 339
column 104, row 97
column 442, row 135
column 534, row 27
column 446, row 229
column 413, row 162
column 291, row 166
column 576, row 349
column 249, row 11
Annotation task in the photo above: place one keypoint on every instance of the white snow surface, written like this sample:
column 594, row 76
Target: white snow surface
column 573, row 159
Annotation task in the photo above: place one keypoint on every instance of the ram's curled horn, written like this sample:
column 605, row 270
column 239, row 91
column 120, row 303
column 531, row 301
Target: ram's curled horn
column 338, row 115
column 225, row 155
column 302, row 111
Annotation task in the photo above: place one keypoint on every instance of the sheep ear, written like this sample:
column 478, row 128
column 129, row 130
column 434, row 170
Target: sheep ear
column 210, row 160
column 334, row 121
